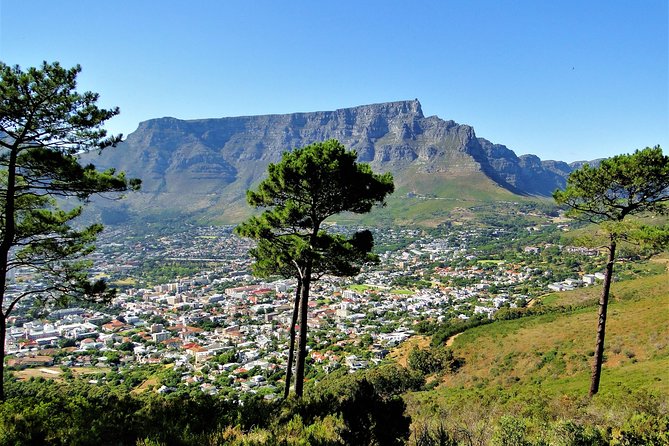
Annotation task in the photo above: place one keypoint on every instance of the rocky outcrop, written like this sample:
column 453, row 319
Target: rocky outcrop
column 191, row 166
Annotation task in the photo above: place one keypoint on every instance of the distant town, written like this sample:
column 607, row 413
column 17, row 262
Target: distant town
column 187, row 300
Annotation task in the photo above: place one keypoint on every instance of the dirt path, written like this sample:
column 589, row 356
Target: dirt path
column 401, row 353
column 450, row 340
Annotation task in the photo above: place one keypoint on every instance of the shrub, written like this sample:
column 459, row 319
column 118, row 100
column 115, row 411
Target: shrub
column 433, row 360
column 510, row 431
column 569, row 433
column 644, row 429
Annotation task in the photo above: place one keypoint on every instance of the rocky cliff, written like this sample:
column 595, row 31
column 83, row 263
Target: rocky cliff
column 205, row 166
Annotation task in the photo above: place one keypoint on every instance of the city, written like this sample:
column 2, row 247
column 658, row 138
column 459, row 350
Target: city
column 189, row 305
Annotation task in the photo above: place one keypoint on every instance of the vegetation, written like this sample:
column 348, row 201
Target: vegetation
column 342, row 410
column 511, row 379
column 433, row 360
column 507, row 352
column 531, row 417
column 305, row 188
column 44, row 125
column 407, row 208
column 442, row 332
column 517, row 382
column 521, row 379
column 619, row 188
column 155, row 272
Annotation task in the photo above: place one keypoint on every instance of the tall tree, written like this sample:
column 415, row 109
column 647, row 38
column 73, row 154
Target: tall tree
column 620, row 187
column 307, row 186
column 274, row 257
column 44, row 125
column 281, row 255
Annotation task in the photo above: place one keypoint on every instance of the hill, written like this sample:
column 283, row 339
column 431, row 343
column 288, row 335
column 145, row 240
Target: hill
column 554, row 349
column 536, row 369
column 202, row 168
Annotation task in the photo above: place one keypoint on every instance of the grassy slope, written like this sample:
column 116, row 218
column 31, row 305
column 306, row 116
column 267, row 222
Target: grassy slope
column 439, row 197
column 550, row 355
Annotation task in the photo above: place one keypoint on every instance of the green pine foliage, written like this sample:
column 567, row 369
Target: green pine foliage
column 610, row 195
column 308, row 186
column 44, row 125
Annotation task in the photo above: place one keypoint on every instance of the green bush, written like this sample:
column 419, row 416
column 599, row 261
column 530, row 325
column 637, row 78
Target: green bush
column 510, row 431
column 361, row 409
column 569, row 433
column 433, row 360
column 644, row 429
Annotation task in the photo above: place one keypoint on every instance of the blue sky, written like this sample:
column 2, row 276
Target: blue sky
column 567, row 80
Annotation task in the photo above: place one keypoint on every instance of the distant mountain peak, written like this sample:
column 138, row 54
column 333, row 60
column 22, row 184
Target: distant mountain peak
column 409, row 108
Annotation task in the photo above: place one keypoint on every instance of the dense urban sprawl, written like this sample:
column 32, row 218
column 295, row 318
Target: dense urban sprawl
column 188, row 302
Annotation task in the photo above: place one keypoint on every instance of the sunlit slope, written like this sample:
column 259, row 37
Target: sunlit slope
column 554, row 351
column 429, row 200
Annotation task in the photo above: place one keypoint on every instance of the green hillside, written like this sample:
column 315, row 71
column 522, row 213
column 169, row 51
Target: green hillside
column 430, row 200
column 418, row 200
column 535, row 371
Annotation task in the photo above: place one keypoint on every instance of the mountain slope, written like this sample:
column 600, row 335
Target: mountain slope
column 554, row 350
column 529, row 377
column 203, row 167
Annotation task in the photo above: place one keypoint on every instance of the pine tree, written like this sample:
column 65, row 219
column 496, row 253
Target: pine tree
column 620, row 187
column 305, row 188
column 44, row 125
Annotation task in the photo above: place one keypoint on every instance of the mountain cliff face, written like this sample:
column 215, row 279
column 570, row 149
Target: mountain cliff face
column 526, row 174
column 205, row 166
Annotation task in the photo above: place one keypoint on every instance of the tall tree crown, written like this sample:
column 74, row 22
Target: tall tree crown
column 45, row 124
column 41, row 108
column 306, row 187
column 620, row 186
column 320, row 180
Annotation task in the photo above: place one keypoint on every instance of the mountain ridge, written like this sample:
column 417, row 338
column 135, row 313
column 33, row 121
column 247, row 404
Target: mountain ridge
column 203, row 167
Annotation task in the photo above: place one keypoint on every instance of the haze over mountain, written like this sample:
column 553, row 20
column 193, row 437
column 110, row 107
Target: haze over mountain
column 202, row 168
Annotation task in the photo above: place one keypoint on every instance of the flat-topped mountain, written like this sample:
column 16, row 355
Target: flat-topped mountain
column 202, row 168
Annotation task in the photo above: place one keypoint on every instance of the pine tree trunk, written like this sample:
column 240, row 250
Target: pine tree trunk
column 601, row 322
column 3, row 335
column 291, row 349
column 5, row 246
column 302, row 351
